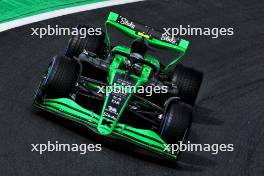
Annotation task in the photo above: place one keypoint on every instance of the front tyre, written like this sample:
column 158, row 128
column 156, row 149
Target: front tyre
column 59, row 79
column 176, row 122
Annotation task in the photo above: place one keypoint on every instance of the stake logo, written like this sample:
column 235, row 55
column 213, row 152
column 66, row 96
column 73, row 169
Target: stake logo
column 126, row 22
column 168, row 38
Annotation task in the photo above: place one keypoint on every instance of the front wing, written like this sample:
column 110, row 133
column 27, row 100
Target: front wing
column 145, row 139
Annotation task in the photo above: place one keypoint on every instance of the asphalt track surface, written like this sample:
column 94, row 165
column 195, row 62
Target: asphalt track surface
column 229, row 108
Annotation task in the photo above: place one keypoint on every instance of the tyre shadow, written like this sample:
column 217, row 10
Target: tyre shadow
column 203, row 115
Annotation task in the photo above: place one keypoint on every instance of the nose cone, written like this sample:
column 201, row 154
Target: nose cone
column 104, row 129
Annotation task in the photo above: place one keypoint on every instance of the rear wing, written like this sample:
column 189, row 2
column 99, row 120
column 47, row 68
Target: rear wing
column 155, row 38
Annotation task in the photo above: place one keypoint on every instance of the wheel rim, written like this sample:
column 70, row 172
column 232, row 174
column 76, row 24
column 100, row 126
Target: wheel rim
column 163, row 123
column 66, row 52
column 40, row 94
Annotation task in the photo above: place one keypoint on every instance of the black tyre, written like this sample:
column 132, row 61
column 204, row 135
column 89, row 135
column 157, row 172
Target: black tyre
column 91, row 43
column 188, row 81
column 176, row 122
column 59, row 78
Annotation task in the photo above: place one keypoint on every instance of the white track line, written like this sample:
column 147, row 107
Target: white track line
column 61, row 12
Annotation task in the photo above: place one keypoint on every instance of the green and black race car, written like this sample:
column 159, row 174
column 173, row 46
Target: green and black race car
column 102, row 87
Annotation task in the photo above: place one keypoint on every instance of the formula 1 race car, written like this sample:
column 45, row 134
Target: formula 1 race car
column 104, row 87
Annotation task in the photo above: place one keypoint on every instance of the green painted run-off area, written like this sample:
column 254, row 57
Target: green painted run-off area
column 14, row 9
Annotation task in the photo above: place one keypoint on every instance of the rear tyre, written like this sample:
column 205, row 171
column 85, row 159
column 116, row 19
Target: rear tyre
column 59, row 79
column 92, row 43
column 188, row 82
column 176, row 122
